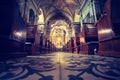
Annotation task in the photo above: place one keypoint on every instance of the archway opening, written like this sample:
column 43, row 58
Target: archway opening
column 59, row 34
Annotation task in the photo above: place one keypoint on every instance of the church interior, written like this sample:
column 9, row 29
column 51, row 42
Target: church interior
column 59, row 39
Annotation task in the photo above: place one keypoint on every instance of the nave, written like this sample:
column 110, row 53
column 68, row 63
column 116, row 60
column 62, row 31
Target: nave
column 59, row 39
column 60, row 66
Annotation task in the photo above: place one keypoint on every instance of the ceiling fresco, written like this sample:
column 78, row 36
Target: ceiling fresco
column 65, row 7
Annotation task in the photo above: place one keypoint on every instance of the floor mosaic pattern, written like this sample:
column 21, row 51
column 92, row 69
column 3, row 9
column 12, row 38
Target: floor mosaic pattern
column 61, row 66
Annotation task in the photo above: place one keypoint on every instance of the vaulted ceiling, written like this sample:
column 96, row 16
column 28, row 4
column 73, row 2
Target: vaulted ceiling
column 55, row 9
column 59, row 13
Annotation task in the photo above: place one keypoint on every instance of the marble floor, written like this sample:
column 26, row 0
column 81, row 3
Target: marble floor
column 61, row 66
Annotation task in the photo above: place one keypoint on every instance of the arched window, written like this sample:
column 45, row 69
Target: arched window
column 76, row 17
column 31, row 16
column 41, row 17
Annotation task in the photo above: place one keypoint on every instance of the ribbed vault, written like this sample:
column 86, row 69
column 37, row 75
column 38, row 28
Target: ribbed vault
column 59, row 13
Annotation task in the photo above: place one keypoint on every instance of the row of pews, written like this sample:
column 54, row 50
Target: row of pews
column 102, row 37
column 39, row 43
column 12, row 28
column 109, row 29
column 84, row 42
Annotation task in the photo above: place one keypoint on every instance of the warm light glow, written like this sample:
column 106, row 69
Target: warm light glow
column 90, row 26
column 59, row 33
column 70, row 1
column 82, row 40
column 19, row 34
column 59, row 39
column 40, row 28
column 105, row 31
column 77, row 17
column 60, row 57
column 41, row 17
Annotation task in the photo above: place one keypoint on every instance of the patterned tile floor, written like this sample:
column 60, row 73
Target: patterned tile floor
column 61, row 66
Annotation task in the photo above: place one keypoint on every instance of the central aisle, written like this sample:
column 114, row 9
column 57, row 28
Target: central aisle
column 61, row 66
